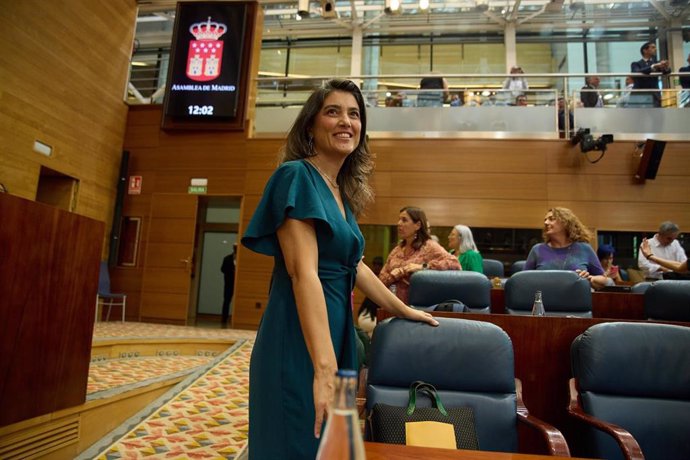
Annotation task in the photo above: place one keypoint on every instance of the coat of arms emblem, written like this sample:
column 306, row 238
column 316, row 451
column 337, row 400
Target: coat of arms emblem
column 206, row 52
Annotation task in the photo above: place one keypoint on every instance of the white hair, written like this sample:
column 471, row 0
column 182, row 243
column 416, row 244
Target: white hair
column 466, row 238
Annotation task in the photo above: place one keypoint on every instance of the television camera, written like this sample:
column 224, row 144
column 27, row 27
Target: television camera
column 588, row 142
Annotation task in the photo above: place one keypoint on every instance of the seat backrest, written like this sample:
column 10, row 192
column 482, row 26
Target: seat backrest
column 430, row 287
column 493, row 267
column 641, row 287
column 624, row 274
column 104, row 278
column 563, row 292
column 470, row 363
column 637, row 376
column 517, row 266
column 668, row 300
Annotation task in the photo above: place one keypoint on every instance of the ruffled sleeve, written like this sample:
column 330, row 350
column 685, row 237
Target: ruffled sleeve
column 290, row 192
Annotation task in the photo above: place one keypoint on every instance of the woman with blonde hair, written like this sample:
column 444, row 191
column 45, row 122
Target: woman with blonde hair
column 461, row 243
column 566, row 247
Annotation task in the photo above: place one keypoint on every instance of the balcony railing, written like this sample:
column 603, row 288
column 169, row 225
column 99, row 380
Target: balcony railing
column 553, row 109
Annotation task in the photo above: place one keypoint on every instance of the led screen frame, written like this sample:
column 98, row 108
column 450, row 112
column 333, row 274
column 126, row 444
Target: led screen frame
column 209, row 71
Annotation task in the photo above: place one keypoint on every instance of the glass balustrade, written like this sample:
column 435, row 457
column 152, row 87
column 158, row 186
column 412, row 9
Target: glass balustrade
column 476, row 106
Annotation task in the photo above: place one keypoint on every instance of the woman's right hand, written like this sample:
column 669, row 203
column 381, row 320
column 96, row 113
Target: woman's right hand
column 324, row 392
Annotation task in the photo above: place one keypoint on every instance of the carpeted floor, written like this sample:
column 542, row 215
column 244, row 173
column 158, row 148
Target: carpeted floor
column 205, row 416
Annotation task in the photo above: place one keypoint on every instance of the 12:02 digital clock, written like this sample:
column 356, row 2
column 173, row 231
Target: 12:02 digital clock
column 200, row 109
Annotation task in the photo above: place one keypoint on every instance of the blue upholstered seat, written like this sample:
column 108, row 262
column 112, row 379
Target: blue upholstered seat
column 471, row 364
column 636, row 376
column 641, row 287
column 668, row 300
column 517, row 266
column 564, row 293
column 493, row 268
column 430, row 287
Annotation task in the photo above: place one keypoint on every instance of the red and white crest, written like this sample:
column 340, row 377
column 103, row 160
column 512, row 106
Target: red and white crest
column 205, row 54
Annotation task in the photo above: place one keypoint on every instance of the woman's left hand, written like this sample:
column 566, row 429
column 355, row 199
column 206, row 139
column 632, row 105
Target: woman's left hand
column 421, row 316
column 583, row 274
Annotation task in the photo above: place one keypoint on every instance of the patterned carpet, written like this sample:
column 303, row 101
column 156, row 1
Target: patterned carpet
column 204, row 416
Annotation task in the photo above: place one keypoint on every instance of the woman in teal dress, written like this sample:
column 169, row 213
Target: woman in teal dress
column 461, row 243
column 306, row 220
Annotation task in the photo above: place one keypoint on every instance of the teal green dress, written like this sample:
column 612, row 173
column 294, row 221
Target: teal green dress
column 471, row 261
column 281, row 374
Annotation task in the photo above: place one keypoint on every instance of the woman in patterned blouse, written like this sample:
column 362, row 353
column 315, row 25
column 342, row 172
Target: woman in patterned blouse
column 416, row 251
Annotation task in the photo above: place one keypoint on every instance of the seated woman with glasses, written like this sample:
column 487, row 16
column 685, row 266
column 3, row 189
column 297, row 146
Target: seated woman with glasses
column 416, row 251
column 461, row 244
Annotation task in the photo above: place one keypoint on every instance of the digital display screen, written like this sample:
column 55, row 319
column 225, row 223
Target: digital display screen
column 207, row 66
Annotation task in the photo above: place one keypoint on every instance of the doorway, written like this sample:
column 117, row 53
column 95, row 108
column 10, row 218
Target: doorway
column 218, row 220
column 57, row 189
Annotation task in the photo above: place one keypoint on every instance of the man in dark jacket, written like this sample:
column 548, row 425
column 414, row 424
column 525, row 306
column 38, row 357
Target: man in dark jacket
column 647, row 65
column 589, row 95
column 228, row 269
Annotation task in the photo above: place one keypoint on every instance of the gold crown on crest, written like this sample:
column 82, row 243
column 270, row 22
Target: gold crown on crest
column 208, row 30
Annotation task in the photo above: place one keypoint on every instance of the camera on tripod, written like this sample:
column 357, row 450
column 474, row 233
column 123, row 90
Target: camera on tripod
column 587, row 141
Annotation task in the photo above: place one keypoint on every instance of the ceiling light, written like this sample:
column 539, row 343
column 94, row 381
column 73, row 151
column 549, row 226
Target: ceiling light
column 328, row 9
column 302, row 9
column 392, row 6
column 423, row 4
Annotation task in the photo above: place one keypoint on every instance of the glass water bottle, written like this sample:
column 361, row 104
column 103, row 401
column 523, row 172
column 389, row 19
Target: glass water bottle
column 342, row 438
column 538, row 307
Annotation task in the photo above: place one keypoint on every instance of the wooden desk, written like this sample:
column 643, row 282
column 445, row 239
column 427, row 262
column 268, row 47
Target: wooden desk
column 612, row 305
column 48, row 283
column 377, row 451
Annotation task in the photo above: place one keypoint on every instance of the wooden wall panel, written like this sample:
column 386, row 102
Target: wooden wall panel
column 567, row 187
column 484, row 183
column 447, row 183
column 67, row 94
column 157, row 308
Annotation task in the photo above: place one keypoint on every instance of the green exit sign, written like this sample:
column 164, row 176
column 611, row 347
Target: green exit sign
column 197, row 189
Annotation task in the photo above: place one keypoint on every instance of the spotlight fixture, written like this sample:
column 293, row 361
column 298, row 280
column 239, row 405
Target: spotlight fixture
column 392, row 6
column 302, row 9
column 328, row 9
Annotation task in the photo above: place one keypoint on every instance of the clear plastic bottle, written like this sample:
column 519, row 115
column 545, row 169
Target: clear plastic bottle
column 538, row 307
column 342, row 438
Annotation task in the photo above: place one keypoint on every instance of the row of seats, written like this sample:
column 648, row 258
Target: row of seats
column 631, row 381
column 495, row 268
column 564, row 293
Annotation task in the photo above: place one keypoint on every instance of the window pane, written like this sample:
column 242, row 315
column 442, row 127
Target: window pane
column 332, row 61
